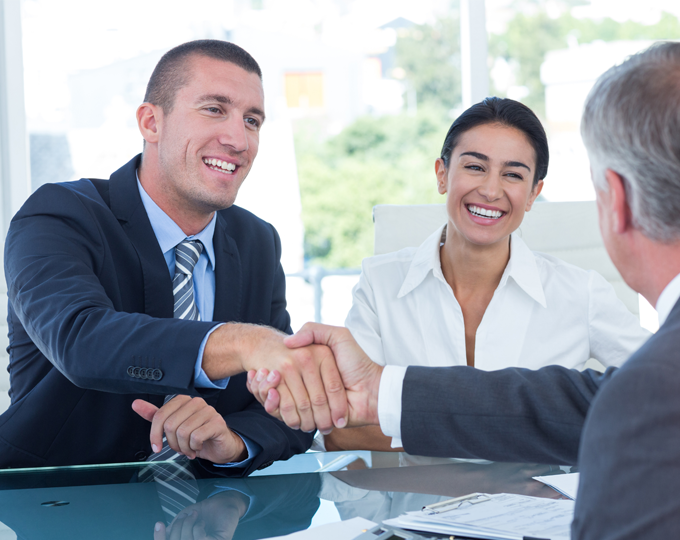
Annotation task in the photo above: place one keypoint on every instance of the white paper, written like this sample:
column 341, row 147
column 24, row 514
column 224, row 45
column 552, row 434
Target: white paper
column 502, row 517
column 566, row 484
column 342, row 530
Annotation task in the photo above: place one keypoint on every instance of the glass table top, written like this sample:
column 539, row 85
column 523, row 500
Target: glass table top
column 129, row 500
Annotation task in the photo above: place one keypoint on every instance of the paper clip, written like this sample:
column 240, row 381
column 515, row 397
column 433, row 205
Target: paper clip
column 452, row 504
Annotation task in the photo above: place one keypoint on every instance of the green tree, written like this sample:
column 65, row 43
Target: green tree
column 387, row 160
column 430, row 58
column 529, row 37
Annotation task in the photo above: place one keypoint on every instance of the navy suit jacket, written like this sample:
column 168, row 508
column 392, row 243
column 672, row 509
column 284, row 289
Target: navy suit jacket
column 621, row 427
column 90, row 300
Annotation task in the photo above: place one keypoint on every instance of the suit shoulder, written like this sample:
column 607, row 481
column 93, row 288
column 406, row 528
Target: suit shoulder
column 62, row 198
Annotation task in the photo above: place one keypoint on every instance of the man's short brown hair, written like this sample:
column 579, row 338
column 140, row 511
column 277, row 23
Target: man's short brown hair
column 171, row 73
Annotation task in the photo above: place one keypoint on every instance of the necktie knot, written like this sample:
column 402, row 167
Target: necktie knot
column 187, row 253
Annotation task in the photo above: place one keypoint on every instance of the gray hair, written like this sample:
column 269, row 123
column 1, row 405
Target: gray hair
column 631, row 125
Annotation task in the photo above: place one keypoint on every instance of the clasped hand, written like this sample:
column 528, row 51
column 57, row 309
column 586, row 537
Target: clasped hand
column 359, row 379
column 192, row 428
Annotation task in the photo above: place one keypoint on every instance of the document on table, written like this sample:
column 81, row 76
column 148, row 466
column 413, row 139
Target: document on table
column 566, row 484
column 494, row 517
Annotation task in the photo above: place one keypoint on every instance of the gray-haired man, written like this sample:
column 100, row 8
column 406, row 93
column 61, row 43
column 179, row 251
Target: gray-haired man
column 623, row 427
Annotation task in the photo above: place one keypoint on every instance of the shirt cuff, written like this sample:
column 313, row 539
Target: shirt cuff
column 201, row 380
column 253, row 450
column 389, row 402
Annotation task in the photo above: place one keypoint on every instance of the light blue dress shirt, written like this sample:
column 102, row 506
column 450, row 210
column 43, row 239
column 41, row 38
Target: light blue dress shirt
column 169, row 234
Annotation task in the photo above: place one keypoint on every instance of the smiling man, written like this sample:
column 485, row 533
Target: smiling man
column 119, row 290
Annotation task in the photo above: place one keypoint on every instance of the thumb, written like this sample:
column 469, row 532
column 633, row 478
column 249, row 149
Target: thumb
column 144, row 409
column 320, row 334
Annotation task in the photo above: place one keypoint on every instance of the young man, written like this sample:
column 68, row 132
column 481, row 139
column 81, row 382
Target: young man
column 117, row 291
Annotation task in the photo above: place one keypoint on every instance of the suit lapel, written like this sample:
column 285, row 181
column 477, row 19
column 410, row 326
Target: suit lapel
column 228, row 275
column 127, row 206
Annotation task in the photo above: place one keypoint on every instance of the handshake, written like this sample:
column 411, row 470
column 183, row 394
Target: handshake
column 324, row 380
column 317, row 379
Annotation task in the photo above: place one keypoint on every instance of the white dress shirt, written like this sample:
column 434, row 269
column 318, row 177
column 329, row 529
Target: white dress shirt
column 544, row 311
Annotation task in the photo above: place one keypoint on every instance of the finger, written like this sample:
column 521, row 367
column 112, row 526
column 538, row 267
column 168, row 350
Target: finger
column 144, row 409
column 335, row 393
column 301, row 338
column 271, row 405
column 159, row 531
column 321, row 334
column 287, row 408
column 298, row 387
column 188, row 443
column 223, row 447
column 260, row 390
column 181, row 423
column 261, row 377
column 158, row 419
column 185, row 525
column 250, row 377
column 170, row 416
column 316, row 386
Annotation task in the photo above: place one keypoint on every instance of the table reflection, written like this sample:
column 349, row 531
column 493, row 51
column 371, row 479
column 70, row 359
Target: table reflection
column 117, row 502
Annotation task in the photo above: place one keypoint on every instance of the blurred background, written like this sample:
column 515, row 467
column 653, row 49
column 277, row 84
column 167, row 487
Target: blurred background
column 359, row 95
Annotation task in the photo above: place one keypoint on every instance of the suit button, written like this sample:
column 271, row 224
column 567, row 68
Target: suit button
column 141, row 456
column 135, row 372
column 144, row 373
column 130, row 371
column 157, row 375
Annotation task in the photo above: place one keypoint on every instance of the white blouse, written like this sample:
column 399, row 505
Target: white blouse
column 544, row 311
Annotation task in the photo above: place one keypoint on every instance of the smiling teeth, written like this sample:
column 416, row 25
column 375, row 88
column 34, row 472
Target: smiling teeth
column 218, row 165
column 483, row 212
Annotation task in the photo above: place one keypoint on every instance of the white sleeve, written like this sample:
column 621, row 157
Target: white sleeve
column 362, row 319
column 614, row 332
column 389, row 402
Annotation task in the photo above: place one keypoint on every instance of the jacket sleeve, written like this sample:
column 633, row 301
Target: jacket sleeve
column 55, row 255
column 512, row 415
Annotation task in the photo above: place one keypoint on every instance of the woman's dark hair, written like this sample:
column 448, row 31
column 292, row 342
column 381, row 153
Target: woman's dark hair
column 506, row 112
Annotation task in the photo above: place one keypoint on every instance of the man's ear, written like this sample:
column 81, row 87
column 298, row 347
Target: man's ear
column 441, row 172
column 149, row 118
column 622, row 218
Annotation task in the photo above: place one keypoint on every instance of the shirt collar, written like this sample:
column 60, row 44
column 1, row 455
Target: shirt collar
column 667, row 299
column 521, row 267
column 169, row 234
column 425, row 260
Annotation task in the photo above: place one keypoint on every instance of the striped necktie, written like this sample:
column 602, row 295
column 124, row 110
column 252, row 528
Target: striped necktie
column 175, row 483
column 187, row 253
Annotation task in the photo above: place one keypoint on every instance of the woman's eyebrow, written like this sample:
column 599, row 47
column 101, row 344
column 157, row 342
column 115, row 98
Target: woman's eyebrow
column 476, row 154
column 516, row 164
column 505, row 163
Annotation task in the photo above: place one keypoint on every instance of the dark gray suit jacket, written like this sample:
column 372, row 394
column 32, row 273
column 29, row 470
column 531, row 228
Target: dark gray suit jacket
column 622, row 427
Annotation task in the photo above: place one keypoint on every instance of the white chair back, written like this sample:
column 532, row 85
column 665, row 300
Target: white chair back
column 568, row 230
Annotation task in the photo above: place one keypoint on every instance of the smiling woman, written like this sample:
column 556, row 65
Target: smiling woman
column 473, row 293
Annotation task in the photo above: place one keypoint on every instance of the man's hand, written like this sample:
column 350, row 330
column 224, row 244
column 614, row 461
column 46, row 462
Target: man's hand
column 360, row 376
column 317, row 391
column 193, row 428
column 215, row 518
